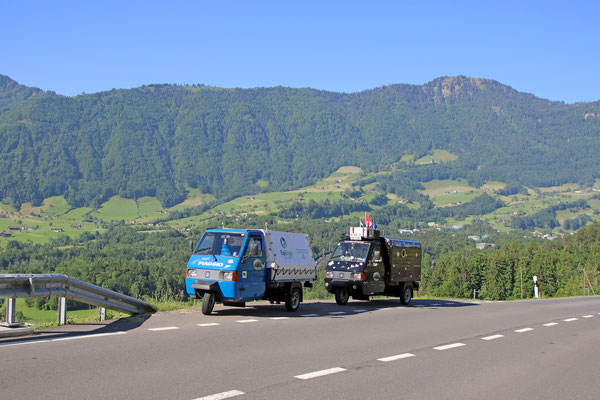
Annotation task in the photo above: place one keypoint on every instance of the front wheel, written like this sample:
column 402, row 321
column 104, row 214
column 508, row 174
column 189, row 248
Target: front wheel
column 292, row 302
column 406, row 295
column 341, row 295
column 208, row 303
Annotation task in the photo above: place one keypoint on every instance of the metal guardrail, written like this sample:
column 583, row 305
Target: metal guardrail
column 14, row 286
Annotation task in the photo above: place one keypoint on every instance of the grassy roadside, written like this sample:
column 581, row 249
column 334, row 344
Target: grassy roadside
column 38, row 319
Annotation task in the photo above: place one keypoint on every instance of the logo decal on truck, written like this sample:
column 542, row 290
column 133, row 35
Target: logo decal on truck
column 283, row 243
column 207, row 263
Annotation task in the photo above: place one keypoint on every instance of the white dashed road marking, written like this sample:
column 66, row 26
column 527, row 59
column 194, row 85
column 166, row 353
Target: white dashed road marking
column 492, row 337
column 396, row 357
column 337, row 312
column 551, row 324
column 209, row 324
column 360, row 310
column 310, row 315
column 245, row 321
column 449, row 346
column 165, row 328
column 277, row 318
column 570, row 319
column 419, row 305
column 317, row 374
column 524, row 330
column 588, row 316
column 436, row 304
column 449, row 304
column 221, row 396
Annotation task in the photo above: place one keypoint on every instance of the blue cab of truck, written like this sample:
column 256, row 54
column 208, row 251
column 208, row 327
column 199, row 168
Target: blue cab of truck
column 233, row 266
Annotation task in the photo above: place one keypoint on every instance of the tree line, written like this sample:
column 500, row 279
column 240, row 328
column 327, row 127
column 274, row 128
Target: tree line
column 152, row 265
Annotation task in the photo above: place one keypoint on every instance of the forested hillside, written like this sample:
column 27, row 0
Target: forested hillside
column 153, row 264
column 159, row 140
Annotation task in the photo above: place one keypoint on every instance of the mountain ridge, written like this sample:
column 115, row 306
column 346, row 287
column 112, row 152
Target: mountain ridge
column 156, row 139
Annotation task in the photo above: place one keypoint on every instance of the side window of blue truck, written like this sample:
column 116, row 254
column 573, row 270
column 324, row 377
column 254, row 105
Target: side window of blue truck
column 254, row 248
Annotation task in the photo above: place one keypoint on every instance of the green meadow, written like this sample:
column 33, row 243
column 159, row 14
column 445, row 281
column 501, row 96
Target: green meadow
column 56, row 214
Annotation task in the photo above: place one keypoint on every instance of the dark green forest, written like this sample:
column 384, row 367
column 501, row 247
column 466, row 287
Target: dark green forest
column 157, row 140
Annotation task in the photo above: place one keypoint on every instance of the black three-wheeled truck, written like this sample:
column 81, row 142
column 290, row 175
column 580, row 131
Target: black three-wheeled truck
column 364, row 264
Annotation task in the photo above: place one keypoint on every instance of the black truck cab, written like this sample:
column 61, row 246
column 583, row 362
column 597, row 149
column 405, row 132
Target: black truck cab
column 365, row 264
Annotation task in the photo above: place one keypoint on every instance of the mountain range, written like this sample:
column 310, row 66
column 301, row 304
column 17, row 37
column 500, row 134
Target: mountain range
column 161, row 140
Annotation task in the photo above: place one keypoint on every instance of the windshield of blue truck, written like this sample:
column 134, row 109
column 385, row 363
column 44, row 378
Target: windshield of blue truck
column 220, row 244
column 350, row 251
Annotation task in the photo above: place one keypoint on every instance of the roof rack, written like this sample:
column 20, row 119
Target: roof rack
column 360, row 233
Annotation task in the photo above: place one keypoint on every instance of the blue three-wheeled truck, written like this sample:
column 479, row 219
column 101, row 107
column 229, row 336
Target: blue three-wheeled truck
column 233, row 266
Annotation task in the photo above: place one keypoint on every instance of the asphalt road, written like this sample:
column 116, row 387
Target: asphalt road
column 545, row 349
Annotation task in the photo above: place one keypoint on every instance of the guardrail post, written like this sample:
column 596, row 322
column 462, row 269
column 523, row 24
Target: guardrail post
column 62, row 310
column 11, row 303
column 102, row 314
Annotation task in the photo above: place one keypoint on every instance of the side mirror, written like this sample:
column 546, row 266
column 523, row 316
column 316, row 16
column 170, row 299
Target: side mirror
column 253, row 249
column 191, row 245
column 376, row 255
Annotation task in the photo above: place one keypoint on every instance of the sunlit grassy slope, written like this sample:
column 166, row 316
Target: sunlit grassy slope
column 54, row 214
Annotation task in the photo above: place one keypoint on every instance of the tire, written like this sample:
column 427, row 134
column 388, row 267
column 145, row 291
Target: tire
column 292, row 302
column 342, row 295
column 208, row 303
column 406, row 295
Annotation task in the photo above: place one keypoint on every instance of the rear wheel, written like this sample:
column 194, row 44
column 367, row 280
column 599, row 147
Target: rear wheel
column 341, row 295
column 208, row 303
column 406, row 296
column 292, row 302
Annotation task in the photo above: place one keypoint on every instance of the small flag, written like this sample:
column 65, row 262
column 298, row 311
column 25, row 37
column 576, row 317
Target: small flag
column 374, row 224
column 361, row 224
column 368, row 223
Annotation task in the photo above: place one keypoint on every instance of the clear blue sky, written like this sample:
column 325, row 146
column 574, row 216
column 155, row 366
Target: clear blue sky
column 548, row 48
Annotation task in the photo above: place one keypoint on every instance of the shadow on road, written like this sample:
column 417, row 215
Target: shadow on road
column 84, row 328
column 315, row 308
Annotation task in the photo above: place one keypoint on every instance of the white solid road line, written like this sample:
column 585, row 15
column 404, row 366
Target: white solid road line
column 221, row 396
column 245, row 321
column 449, row 346
column 524, row 330
column 94, row 335
column 551, row 324
column 492, row 337
column 588, row 316
column 396, row 357
column 317, row 374
column 165, row 328
column 570, row 319
column 277, row 318
column 209, row 324
column 88, row 336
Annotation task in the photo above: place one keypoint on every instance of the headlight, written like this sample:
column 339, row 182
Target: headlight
column 358, row 276
column 230, row 275
column 192, row 273
column 328, row 274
